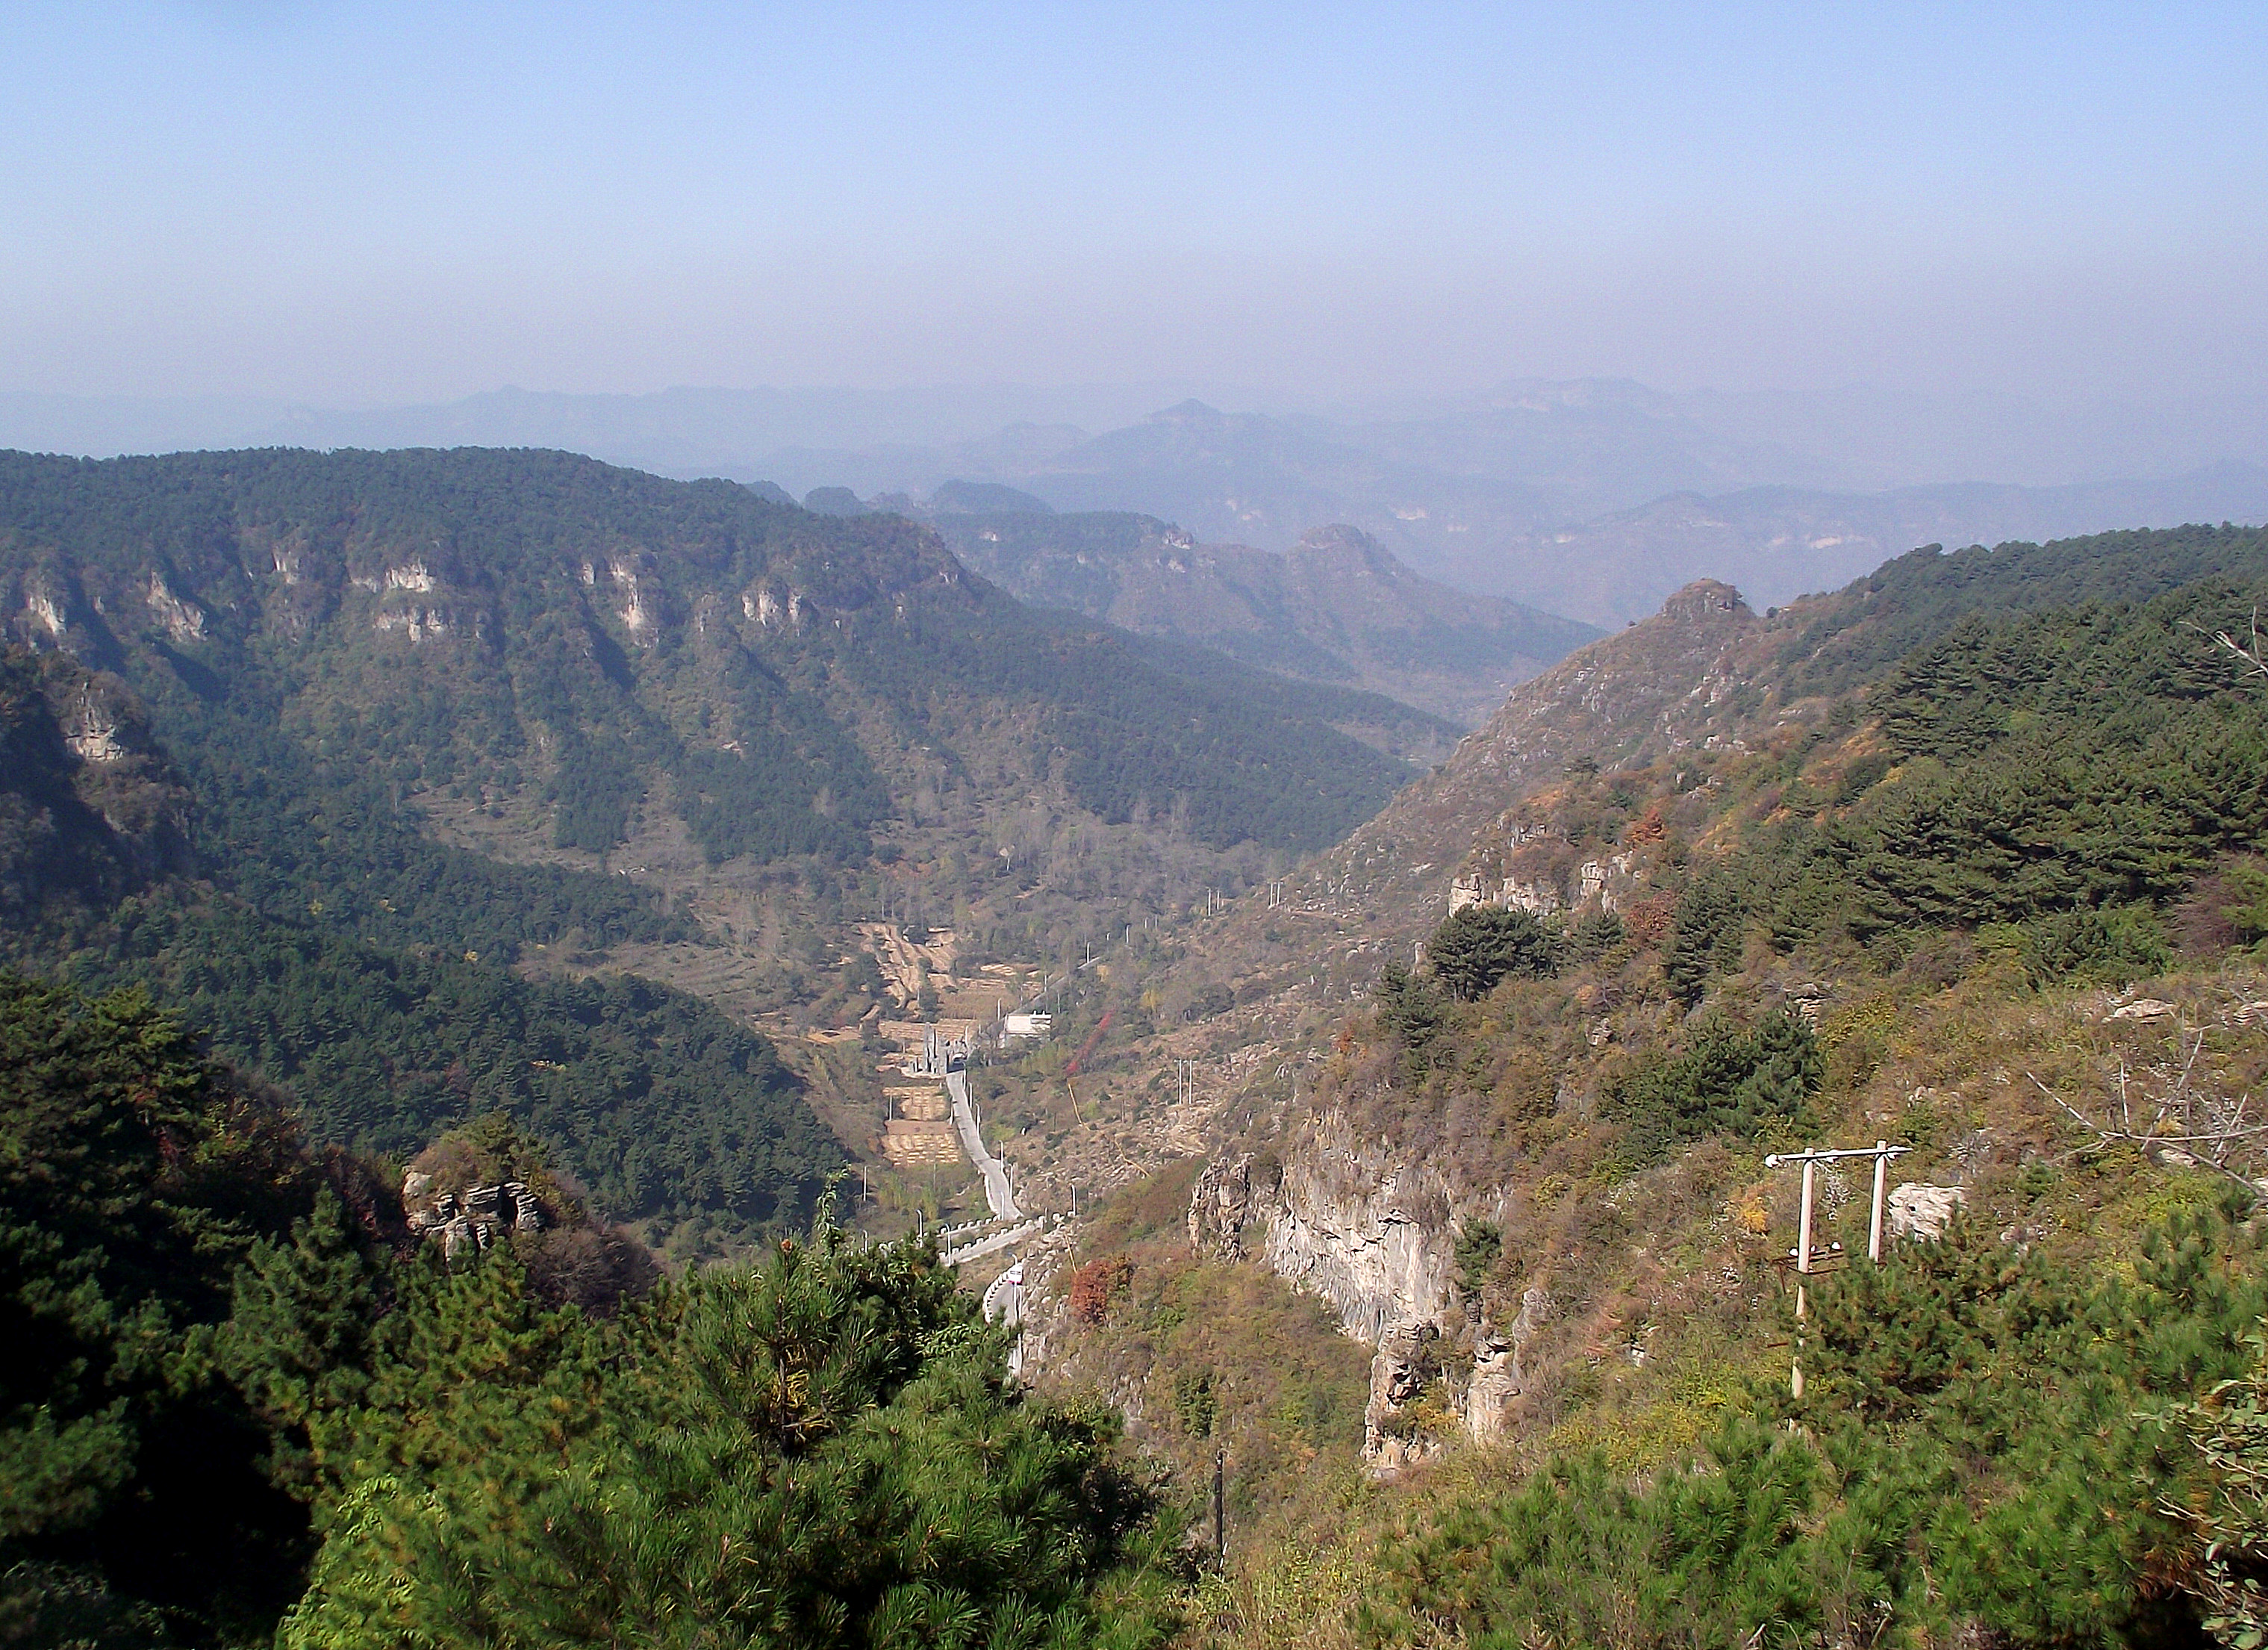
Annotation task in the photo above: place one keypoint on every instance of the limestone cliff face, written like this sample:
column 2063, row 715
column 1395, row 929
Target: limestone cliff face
column 1375, row 1235
column 90, row 807
column 1372, row 1235
column 1341, row 1218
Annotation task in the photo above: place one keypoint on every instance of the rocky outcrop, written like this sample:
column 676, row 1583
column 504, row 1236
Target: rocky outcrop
column 637, row 607
column 1219, row 1206
column 182, row 619
column 474, row 1219
column 1498, row 1379
column 1397, row 1429
column 93, row 723
column 1374, row 1236
column 768, row 608
column 45, row 606
column 418, row 622
column 1369, row 1232
column 90, row 808
column 1919, row 1211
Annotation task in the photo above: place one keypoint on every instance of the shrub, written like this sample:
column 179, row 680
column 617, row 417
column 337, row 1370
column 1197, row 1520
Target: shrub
column 1096, row 1284
column 2111, row 944
column 1479, row 1245
column 1194, row 1405
column 1596, row 934
column 1646, row 924
column 1410, row 1010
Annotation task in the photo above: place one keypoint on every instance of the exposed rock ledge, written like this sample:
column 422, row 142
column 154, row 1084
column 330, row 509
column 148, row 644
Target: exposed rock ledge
column 1374, row 1236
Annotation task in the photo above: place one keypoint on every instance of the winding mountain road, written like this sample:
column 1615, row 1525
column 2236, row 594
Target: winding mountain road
column 1005, row 1298
column 998, row 1240
column 998, row 1193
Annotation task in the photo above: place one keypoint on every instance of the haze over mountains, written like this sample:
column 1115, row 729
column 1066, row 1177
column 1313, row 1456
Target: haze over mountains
column 1336, row 607
column 1588, row 497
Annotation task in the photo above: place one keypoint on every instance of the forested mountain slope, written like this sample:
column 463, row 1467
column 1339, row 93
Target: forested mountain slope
column 1706, row 673
column 331, row 655
column 391, row 1028
column 1965, row 857
column 520, row 619
column 242, row 1403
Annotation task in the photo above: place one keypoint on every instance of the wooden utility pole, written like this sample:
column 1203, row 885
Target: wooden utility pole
column 1882, row 1151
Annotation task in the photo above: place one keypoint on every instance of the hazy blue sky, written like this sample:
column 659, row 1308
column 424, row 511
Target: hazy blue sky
column 352, row 203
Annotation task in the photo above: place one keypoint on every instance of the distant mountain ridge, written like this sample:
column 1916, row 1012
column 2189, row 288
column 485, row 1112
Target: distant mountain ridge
column 1781, row 542
column 1590, row 497
column 1593, row 506
column 1337, row 606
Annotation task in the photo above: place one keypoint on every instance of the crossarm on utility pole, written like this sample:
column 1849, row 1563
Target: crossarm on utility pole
column 1882, row 1151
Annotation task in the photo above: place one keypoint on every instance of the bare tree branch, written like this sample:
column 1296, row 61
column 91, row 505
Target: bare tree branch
column 2204, row 1130
column 2252, row 655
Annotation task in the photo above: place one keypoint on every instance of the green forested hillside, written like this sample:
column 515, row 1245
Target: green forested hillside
column 342, row 955
column 238, row 1404
column 1913, row 601
column 326, row 647
column 322, row 835
column 585, row 629
column 663, row 1108
column 2057, row 769
column 1966, row 859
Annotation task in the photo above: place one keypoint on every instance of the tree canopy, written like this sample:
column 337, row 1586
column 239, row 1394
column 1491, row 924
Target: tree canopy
column 1476, row 948
column 237, row 1401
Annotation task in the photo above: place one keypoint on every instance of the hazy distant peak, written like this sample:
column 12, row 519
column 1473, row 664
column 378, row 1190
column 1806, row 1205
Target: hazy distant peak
column 1189, row 411
column 833, row 501
column 1338, row 539
column 1336, row 535
column 1537, row 395
column 1703, row 601
column 985, row 498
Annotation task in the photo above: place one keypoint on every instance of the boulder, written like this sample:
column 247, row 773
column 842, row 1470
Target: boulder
column 2144, row 1008
column 1920, row 1210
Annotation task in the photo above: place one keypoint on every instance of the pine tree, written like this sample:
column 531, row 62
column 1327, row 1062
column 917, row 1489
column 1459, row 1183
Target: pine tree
column 1479, row 945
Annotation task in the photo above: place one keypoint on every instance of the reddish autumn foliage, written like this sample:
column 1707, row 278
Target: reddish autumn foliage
column 1094, row 1286
column 1645, row 922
